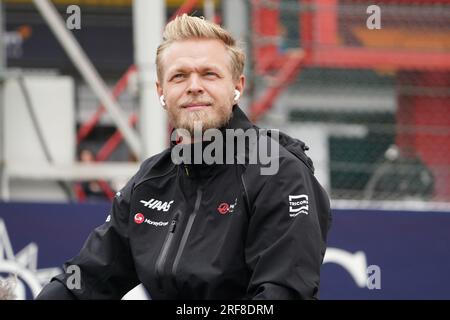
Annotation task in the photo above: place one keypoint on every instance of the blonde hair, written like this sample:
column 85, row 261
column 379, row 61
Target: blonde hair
column 186, row 27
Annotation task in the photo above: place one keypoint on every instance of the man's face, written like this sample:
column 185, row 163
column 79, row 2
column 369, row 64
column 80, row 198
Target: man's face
column 197, row 83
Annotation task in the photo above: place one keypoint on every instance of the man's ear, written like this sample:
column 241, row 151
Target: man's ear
column 159, row 89
column 240, row 84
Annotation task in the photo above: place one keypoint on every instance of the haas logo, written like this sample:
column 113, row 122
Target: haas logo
column 157, row 204
column 225, row 208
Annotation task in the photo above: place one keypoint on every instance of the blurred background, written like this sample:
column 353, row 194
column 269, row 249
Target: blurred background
column 366, row 84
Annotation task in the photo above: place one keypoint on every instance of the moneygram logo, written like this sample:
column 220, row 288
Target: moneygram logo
column 139, row 218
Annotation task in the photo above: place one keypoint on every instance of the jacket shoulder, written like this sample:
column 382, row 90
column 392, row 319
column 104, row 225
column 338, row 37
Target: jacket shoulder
column 157, row 165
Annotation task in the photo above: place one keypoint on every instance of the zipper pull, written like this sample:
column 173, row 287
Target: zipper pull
column 173, row 224
column 186, row 169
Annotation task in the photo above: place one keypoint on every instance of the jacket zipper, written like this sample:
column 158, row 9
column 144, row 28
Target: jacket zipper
column 167, row 246
column 162, row 258
column 186, row 232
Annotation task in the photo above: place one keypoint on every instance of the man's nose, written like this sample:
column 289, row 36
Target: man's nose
column 195, row 85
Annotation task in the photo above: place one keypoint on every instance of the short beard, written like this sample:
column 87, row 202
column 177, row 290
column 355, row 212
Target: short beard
column 208, row 120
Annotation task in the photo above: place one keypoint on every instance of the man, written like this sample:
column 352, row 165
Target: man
column 197, row 230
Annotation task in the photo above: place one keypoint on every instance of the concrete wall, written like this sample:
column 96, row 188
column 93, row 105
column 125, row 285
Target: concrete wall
column 52, row 100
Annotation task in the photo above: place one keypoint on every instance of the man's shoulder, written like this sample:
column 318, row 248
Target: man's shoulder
column 151, row 161
column 289, row 160
column 286, row 150
column 283, row 164
column 156, row 165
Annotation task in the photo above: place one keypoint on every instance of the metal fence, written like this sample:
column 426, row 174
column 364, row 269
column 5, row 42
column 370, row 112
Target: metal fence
column 375, row 78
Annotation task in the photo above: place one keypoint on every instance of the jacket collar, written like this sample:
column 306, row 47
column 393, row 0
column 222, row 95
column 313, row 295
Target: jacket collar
column 238, row 120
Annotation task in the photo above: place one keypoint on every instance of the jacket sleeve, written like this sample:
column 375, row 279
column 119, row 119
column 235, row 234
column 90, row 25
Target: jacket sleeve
column 286, row 240
column 105, row 263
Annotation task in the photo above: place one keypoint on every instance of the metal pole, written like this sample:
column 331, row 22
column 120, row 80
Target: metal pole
column 149, row 18
column 235, row 17
column 209, row 10
column 88, row 71
column 3, row 176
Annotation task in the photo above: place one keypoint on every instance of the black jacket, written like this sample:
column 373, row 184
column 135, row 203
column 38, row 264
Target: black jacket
column 218, row 231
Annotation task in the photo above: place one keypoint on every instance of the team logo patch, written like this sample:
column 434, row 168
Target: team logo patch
column 225, row 208
column 139, row 218
column 157, row 204
column 298, row 204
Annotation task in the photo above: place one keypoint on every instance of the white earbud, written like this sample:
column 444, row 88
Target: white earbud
column 237, row 94
column 163, row 102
